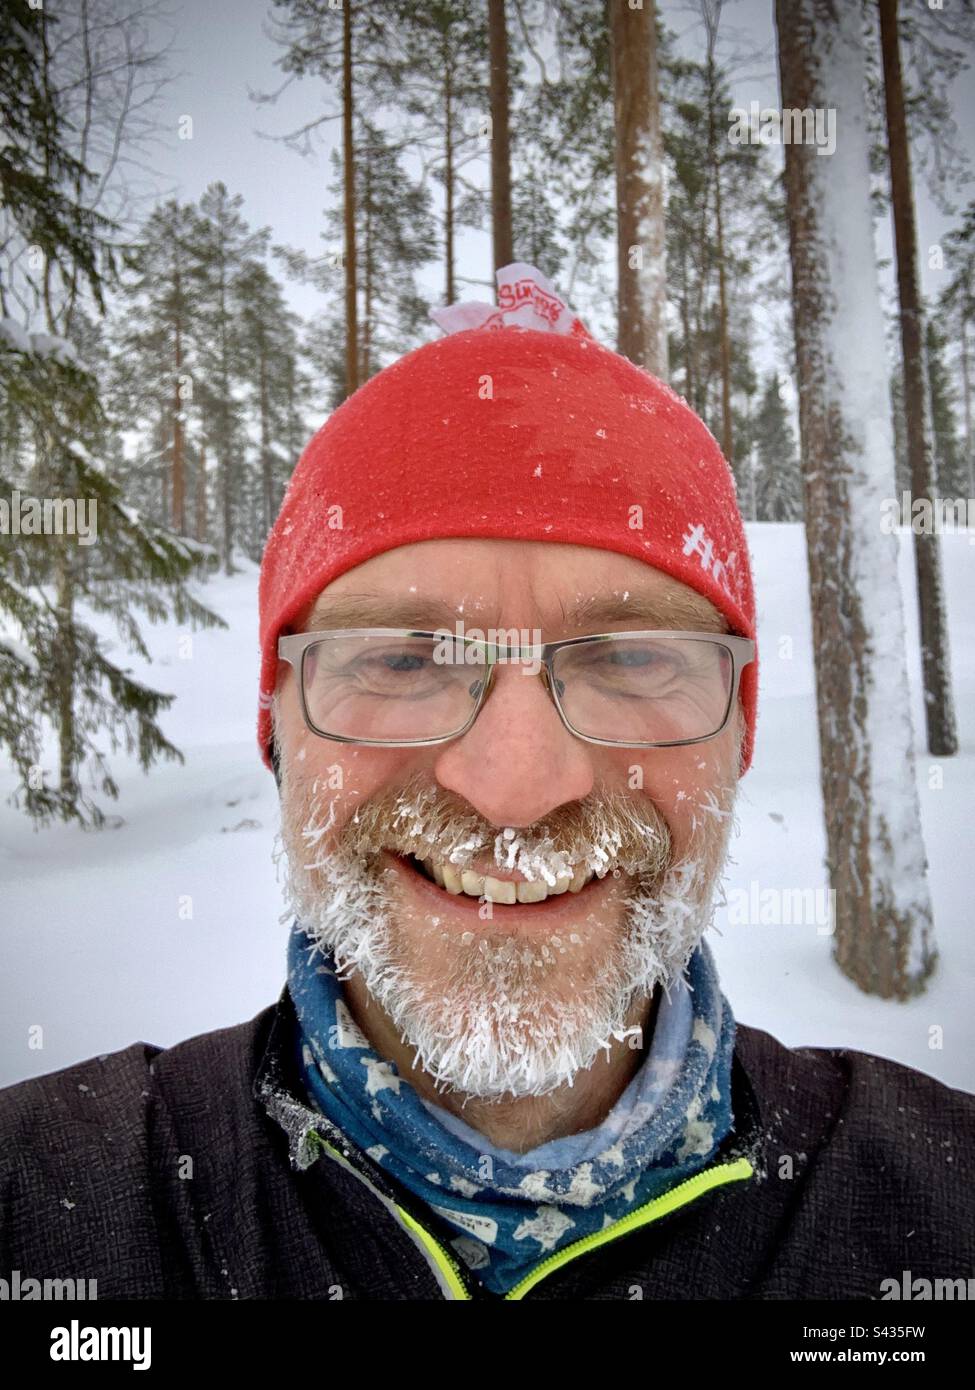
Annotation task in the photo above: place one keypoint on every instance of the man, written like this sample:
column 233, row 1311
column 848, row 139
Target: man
column 508, row 690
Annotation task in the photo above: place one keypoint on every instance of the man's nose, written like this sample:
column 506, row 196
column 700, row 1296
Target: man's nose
column 518, row 761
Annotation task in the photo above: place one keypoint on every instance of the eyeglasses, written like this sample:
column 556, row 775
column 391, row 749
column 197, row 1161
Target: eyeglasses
column 400, row 688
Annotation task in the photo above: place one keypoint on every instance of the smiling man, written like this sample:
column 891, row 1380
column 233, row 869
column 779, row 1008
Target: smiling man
column 508, row 691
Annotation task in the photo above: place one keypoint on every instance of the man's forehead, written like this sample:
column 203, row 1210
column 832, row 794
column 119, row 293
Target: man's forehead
column 656, row 600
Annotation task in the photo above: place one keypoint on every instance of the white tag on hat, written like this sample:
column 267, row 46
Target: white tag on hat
column 526, row 299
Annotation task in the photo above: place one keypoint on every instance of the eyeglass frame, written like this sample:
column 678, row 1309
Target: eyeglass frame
column 293, row 646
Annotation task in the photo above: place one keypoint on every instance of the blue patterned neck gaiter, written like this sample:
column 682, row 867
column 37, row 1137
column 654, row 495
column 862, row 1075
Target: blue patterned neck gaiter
column 511, row 1210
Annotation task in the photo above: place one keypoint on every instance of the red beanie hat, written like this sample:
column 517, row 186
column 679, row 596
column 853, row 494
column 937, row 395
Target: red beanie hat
column 528, row 433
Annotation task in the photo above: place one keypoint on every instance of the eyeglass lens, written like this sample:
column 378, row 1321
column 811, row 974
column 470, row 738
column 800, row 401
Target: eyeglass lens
column 623, row 689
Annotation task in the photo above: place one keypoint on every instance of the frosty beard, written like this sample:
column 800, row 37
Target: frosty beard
column 495, row 1013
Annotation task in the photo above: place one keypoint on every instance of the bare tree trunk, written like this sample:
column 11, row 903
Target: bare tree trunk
column 65, row 662
column 448, row 174
column 641, row 247
column 935, row 657
column 500, row 137
column 201, row 497
column 368, row 256
column 966, row 388
column 348, row 161
column 711, row 16
column 267, row 499
column 179, row 465
column 727, row 421
column 875, row 852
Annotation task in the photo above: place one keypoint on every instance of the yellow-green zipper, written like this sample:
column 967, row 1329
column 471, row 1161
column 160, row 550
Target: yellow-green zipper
column 678, row 1196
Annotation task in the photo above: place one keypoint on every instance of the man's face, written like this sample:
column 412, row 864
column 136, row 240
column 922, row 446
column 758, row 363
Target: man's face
column 498, row 999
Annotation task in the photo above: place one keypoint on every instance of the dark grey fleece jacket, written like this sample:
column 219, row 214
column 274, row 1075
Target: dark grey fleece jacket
column 199, row 1171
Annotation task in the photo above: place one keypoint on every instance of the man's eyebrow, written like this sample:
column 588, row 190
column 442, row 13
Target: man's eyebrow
column 640, row 610
column 382, row 610
column 637, row 610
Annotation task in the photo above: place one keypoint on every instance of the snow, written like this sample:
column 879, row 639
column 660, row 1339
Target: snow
column 19, row 652
column 14, row 335
column 100, row 950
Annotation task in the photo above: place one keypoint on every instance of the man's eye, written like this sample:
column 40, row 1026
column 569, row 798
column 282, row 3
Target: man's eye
column 401, row 661
column 636, row 656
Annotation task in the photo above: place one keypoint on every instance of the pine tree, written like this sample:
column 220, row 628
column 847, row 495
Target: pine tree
column 226, row 246
column 951, row 473
column 957, row 312
column 56, row 674
column 274, row 388
column 778, row 481
column 396, row 238
column 440, row 75
column 158, row 332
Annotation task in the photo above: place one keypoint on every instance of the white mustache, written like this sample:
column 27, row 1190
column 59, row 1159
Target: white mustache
column 607, row 832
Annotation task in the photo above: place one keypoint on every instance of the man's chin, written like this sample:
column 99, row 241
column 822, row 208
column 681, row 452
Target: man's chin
column 495, row 1007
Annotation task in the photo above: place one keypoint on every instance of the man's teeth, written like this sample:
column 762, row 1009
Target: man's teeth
column 498, row 890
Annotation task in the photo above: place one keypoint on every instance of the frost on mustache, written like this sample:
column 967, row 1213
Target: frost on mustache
column 609, row 833
column 505, row 1016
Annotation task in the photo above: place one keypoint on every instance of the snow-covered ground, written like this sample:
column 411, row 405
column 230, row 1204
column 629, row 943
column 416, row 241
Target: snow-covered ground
column 170, row 923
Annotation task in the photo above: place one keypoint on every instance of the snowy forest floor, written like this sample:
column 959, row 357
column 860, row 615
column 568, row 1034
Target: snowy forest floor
column 98, row 948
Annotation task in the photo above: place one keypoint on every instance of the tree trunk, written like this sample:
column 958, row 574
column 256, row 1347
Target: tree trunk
column 266, row 484
column 223, row 441
column 875, row 852
column 179, row 464
column 685, row 318
column 64, row 672
column 641, row 248
column 500, row 138
column 966, row 389
column 348, row 162
column 201, row 496
column 727, row 426
column 448, row 174
column 935, row 658
column 368, row 255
